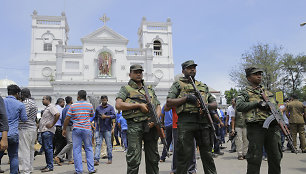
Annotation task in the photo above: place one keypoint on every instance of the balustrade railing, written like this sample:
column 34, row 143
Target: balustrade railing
column 153, row 27
column 135, row 52
column 158, row 53
column 47, row 22
column 73, row 49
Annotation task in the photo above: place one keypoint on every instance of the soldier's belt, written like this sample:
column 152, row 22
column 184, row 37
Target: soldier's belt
column 137, row 119
column 132, row 111
column 257, row 123
column 189, row 113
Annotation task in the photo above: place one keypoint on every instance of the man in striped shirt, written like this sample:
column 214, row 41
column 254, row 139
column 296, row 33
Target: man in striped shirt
column 80, row 113
column 27, row 134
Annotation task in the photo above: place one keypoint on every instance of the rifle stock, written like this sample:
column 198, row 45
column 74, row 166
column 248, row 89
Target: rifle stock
column 281, row 123
column 203, row 106
column 154, row 116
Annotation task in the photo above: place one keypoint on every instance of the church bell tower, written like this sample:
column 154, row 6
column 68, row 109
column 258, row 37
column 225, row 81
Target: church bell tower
column 158, row 37
column 47, row 32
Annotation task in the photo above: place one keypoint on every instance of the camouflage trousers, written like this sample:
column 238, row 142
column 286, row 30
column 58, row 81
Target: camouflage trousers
column 269, row 139
column 187, row 133
column 135, row 136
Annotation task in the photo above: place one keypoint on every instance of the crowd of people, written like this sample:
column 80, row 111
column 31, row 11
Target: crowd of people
column 67, row 127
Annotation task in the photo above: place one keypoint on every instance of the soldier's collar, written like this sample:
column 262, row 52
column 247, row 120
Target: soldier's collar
column 133, row 84
column 258, row 89
column 184, row 79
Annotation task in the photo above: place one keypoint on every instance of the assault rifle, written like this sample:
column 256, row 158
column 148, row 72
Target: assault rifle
column 204, row 108
column 277, row 116
column 154, row 116
column 231, row 137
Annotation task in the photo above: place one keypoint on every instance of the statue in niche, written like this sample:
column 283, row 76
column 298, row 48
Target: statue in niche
column 105, row 64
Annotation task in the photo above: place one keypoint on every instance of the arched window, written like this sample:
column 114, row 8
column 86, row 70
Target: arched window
column 157, row 48
column 47, row 47
column 104, row 64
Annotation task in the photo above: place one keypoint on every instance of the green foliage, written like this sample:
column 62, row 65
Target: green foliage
column 280, row 72
column 292, row 68
column 263, row 56
column 229, row 95
column 301, row 93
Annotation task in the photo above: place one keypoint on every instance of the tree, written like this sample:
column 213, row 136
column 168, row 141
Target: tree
column 302, row 95
column 229, row 95
column 292, row 68
column 263, row 56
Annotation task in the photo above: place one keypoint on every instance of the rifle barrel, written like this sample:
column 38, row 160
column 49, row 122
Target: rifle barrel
column 203, row 107
column 279, row 120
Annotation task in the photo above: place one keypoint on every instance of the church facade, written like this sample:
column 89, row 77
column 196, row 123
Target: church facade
column 101, row 64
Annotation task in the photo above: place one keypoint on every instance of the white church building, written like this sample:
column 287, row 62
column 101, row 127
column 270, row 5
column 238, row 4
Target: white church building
column 101, row 64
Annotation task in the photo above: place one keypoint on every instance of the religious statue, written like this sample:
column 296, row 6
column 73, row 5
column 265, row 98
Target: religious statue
column 105, row 64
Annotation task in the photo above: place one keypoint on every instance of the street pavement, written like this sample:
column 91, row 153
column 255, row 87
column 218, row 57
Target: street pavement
column 226, row 164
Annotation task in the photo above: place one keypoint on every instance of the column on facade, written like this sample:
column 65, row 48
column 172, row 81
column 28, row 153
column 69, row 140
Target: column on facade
column 149, row 63
column 113, row 68
column 59, row 60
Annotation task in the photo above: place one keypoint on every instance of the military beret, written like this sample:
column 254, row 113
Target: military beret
column 188, row 63
column 252, row 70
column 136, row 67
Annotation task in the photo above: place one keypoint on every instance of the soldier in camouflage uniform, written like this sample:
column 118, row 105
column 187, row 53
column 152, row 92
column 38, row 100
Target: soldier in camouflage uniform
column 295, row 111
column 255, row 112
column 192, row 123
column 131, row 101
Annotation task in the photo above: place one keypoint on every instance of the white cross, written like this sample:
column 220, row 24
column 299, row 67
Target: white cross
column 104, row 19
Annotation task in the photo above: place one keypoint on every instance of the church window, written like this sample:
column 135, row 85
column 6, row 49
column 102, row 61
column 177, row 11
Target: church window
column 72, row 65
column 104, row 64
column 47, row 47
column 157, row 48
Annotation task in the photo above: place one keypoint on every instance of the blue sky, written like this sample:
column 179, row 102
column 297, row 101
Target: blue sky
column 213, row 33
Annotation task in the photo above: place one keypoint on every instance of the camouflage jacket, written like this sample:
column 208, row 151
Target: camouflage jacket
column 132, row 94
column 247, row 103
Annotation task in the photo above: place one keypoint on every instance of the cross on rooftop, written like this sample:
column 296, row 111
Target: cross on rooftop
column 104, row 19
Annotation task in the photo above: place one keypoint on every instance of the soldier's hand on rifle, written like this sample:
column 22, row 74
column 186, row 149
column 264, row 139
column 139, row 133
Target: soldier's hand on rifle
column 263, row 105
column 144, row 108
column 201, row 111
column 191, row 99
column 151, row 124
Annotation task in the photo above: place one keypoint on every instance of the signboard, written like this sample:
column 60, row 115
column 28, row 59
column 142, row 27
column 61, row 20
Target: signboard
column 279, row 97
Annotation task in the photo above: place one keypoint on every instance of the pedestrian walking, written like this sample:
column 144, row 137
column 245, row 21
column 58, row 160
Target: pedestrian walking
column 80, row 113
column 27, row 134
column 47, row 130
column 68, row 148
column 15, row 111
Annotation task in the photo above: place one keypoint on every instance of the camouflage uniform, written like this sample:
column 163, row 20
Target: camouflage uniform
column 259, row 137
column 191, row 125
column 296, row 122
column 137, row 122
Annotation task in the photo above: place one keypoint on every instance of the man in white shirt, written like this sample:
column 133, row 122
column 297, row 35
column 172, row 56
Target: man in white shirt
column 283, row 110
column 59, row 142
column 231, row 113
